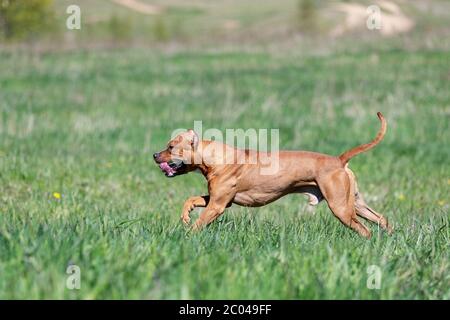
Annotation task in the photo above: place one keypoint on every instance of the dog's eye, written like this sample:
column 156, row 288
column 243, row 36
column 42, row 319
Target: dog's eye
column 170, row 148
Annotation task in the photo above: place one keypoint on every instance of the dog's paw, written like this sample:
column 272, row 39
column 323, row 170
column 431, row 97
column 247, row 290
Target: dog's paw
column 186, row 219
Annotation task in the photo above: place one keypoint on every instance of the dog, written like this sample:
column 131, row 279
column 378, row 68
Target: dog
column 241, row 182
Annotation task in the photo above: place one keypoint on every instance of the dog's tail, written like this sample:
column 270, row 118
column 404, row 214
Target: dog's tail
column 346, row 156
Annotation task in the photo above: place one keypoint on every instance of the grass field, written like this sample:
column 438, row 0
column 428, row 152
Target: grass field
column 85, row 124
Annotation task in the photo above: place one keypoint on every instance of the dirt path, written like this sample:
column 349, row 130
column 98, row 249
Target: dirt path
column 140, row 7
column 393, row 21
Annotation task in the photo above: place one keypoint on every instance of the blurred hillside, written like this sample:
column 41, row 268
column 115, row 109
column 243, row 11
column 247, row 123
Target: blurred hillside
column 230, row 22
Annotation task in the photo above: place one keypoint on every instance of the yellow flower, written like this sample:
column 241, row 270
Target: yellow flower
column 448, row 181
column 57, row 195
column 441, row 202
column 401, row 197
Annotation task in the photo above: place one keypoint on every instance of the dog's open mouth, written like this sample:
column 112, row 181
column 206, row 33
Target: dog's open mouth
column 170, row 169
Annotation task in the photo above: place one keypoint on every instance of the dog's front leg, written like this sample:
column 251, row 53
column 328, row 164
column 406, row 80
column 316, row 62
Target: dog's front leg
column 213, row 210
column 211, row 213
column 190, row 204
column 221, row 194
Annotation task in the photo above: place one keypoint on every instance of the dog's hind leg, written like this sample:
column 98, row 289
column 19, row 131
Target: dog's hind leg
column 338, row 192
column 313, row 193
column 314, row 196
column 363, row 210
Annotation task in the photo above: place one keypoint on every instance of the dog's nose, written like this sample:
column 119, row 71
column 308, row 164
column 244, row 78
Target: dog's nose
column 155, row 155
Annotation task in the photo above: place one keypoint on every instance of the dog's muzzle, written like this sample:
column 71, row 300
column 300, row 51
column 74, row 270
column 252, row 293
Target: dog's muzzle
column 172, row 168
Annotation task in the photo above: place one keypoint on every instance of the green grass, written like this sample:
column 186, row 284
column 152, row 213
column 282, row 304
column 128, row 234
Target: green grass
column 85, row 125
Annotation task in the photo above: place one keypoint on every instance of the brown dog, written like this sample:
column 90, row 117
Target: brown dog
column 235, row 176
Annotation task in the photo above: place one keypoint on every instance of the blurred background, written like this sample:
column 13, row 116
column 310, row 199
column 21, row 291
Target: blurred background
column 173, row 23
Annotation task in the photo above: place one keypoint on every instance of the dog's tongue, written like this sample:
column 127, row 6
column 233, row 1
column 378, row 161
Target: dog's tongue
column 166, row 168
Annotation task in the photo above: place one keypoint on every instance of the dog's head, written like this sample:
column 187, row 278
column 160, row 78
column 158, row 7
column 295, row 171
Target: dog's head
column 178, row 157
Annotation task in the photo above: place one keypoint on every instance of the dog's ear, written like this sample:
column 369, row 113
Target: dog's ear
column 194, row 139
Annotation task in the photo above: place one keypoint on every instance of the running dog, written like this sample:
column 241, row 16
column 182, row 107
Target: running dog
column 242, row 182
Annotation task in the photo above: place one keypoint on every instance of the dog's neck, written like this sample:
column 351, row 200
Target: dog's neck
column 212, row 156
column 203, row 167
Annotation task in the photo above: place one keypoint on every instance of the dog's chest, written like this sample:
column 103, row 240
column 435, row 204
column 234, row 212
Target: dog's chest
column 256, row 199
